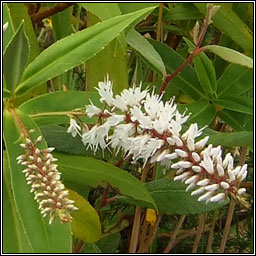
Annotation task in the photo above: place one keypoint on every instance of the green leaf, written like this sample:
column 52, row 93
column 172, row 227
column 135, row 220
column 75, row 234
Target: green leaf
column 8, row 34
column 58, row 102
column 233, row 139
column 233, row 119
column 205, row 71
column 109, row 243
column 15, row 58
column 235, row 81
column 203, row 113
column 183, row 11
column 187, row 80
column 231, row 25
column 85, row 223
column 146, row 51
column 93, row 172
column 41, row 236
column 106, row 61
column 18, row 12
column 133, row 7
column 61, row 23
column 171, row 198
column 91, row 248
column 6, row 94
column 57, row 137
column 75, row 49
column 237, row 103
column 231, row 55
column 14, row 237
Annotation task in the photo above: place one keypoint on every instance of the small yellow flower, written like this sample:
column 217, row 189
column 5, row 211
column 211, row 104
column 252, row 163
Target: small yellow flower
column 151, row 216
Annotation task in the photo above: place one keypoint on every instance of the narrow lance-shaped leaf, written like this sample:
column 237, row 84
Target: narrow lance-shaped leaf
column 92, row 172
column 14, row 237
column 231, row 55
column 205, row 71
column 75, row 49
column 15, row 58
column 146, row 51
column 41, row 236
column 58, row 102
column 85, row 223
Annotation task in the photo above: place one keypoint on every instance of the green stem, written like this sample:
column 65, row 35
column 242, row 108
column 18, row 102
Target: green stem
column 61, row 113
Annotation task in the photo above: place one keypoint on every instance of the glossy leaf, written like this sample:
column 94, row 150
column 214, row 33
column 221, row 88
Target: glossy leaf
column 231, row 25
column 15, row 58
column 233, row 139
column 237, row 103
column 106, row 63
column 183, row 11
column 202, row 112
column 59, row 102
column 61, row 23
column 8, row 34
column 233, row 119
column 205, row 71
column 85, row 223
column 231, row 55
column 133, row 7
column 171, row 198
column 6, row 94
column 45, row 240
column 18, row 12
column 75, row 49
column 146, row 51
column 57, row 137
column 235, row 81
column 14, row 237
column 187, row 80
column 92, row 172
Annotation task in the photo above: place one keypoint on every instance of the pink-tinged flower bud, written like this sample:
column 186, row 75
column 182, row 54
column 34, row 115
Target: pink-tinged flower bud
column 192, row 179
column 242, row 171
column 198, row 191
column 181, row 153
column 231, row 175
column 171, row 156
column 225, row 185
column 205, row 196
column 218, row 197
column 171, row 141
column 179, row 171
column 196, row 157
column 181, row 164
column 212, row 187
column 182, row 176
column 190, row 186
column 48, row 190
column 196, row 168
column 241, row 191
column 220, row 170
column 178, row 141
column 191, row 144
column 203, row 182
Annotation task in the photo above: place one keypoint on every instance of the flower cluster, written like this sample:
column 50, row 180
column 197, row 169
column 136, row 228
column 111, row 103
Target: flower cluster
column 144, row 127
column 42, row 174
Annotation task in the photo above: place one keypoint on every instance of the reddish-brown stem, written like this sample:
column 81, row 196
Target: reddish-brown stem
column 103, row 198
column 196, row 51
column 174, row 234
column 169, row 77
column 50, row 11
column 20, row 124
column 79, row 246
